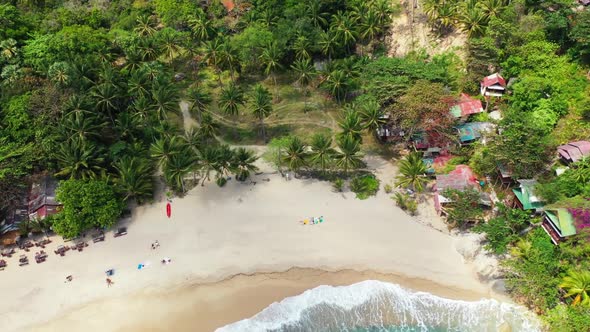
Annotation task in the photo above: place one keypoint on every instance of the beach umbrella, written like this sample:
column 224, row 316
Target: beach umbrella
column 168, row 209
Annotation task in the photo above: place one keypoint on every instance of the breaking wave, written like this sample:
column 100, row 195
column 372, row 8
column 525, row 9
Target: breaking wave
column 378, row 307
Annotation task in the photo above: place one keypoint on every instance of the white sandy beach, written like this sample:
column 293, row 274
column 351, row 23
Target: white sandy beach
column 215, row 233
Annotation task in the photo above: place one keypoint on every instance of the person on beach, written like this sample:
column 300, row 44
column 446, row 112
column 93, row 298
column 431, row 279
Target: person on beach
column 157, row 244
column 69, row 278
column 109, row 282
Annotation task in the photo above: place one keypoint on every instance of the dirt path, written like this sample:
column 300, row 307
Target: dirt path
column 187, row 118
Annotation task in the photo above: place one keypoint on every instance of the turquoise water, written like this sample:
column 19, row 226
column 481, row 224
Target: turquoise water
column 374, row 306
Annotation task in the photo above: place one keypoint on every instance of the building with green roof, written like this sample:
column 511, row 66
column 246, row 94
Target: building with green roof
column 559, row 224
column 525, row 197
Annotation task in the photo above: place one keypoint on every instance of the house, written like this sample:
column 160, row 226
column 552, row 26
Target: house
column 42, row 201
column 466, row 106
column 574, row 151
column 525, row 198
column 461, row 178
column 559, row 224
column 584, row 2
column 505, row 175
column 493, row 86
column 471, row 131
column 13, row 218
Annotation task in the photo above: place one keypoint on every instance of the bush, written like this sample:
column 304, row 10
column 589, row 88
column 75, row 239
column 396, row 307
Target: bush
column 338, row 185
column 406, row 203
column 503, row 229
column 388, row 188
column 568, row 318
column 221, row 181
column 364, row 186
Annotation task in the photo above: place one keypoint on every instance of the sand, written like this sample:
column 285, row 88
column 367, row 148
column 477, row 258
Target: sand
column 215, row 233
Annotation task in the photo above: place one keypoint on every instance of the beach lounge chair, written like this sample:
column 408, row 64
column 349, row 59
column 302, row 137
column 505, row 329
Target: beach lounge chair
column 2, row 264
column 121, row 231
column 98, row 237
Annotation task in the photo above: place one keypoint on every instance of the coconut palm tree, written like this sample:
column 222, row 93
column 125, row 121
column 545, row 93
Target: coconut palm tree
column 78, row 104
column 164, row 148
column 344, row 26
column 371, row 116
column 349, row 155
column 176, row 168
column 493, row 8
column 370, row 26
column 577, row 285
column 128, row 126
column 473, row 21
column 230, row 100
column 170, row 41
column 322, row 153
column 207, row 162
column 149, row 48
column 145, row 26
column 351, row 126
column 243, row 161
column 338, row 84
column 134, row 178
column 105, row 97
column 302, row 47
column 193, row 140
column 208, row 128
column 133, row 58
column 271, row 57
column 313, row 10
column 261, row 105
column 138, row 84
column 412, row 172
column 305, row 74
column 79, row 159
column 165, row 97
column 201, row 26
column 295, row 154
column 229, row 58
column 223, row 163
column 142, row 108
column 199, row 100
column 328, row 44
column 81, row 125
column 8, row 49
column 212, row 50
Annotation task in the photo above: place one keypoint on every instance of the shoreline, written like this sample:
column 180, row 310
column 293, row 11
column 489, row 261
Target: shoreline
column 243, row 228
column 196, row 306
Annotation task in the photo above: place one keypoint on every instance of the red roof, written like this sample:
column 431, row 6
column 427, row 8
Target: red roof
column 574, row 151
column 469, row 105
column 493, row 80
column 228, row 4
column 460, row 178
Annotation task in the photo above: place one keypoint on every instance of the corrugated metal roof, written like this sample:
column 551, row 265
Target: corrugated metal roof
column 493, row 80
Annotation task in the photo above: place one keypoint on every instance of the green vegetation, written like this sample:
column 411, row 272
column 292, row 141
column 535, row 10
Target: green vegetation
column 503, row 229
column 364, row 186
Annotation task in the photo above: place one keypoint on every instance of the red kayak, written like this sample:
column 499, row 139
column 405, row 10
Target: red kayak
column 168, row 209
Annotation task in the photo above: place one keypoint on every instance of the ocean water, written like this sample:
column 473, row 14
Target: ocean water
column 375, row 306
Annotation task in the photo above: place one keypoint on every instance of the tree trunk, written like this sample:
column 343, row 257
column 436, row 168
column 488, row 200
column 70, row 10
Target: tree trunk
column 262, row 129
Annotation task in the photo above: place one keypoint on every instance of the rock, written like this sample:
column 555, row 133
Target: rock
column 499, row 286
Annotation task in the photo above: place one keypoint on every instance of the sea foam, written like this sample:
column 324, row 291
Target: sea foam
column 381, row 306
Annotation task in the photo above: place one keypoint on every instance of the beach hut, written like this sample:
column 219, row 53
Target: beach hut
column 472, row 131
column 574, row 151
column 461, row 178
column 525, row 198
column 558, row 223
column 42, row 201
column 466, row 106
column 493, row 86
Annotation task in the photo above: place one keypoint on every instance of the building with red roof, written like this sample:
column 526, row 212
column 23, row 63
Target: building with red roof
column 461, row 178
column 574, row 151
column 42, row 201
column 493, row 86
column 466, row 107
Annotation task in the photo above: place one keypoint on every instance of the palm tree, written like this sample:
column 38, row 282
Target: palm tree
column 349, row 155
column 134, row 178
column 322, row 152
column 106, row 99
column 164, row 148
column 201, row 26
column 176, row 168
column 199, row 100
column 146, row 26
column 577, row 285
column 271, row 57
column 228, row 58
column 142, row 108
column 224, row 162
column 261, row 104
column 351, row 126
column 230, row 101
column 302, row 47
column 338, row 84
column 295, row 154
column 412, row 172
column 212, row 55
column 127, row 125
column 193, row 139
column 133, row 58
column 493, row 8
column 305, row 74
column 473, row 22
column 208, row 161
column 165, row 98
column 370, row 27
column 81, row 125
column 8, row 49
column 78, row 104
column 79, row 159
column 372, row 116
column 138, row 84
column 328, row 44
column 208, row 128
column 60, row 73
column 344, row 26
column 170, row 41
column 243, row 161
column 313, row 9
column 149, row 48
